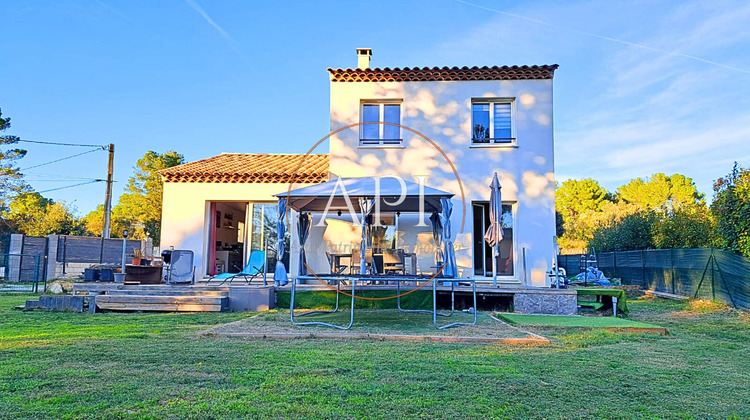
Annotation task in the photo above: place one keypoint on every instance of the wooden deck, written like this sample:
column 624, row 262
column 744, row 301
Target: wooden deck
column 214, row 296
column 155, row 297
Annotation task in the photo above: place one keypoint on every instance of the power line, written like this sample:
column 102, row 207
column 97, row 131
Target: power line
column 56, row 175
column 62, row 144
column 60, row 180
column 71, row 186
column 61, row 159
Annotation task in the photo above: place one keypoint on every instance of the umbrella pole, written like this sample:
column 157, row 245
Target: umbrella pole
column 494, row 266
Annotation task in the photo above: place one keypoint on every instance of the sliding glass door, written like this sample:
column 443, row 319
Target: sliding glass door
column 482, row 251
column 263, row 233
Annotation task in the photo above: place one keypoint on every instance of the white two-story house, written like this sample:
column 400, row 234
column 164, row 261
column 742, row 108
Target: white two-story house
column 456, row 128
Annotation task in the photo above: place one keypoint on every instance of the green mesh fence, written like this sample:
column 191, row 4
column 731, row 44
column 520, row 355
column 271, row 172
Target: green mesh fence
column 695, row 272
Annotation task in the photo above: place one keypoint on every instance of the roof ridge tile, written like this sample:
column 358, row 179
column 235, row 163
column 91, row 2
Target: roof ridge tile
column 445, row 73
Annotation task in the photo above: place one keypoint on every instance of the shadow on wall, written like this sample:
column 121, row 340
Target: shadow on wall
column 441, row 111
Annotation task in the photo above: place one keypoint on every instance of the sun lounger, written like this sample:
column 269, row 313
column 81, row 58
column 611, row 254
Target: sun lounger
column 255, row 267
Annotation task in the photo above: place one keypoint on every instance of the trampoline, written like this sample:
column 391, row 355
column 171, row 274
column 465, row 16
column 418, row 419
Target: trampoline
column 398, row 280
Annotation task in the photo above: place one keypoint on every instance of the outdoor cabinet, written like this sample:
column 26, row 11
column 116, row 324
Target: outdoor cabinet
column 143, row 274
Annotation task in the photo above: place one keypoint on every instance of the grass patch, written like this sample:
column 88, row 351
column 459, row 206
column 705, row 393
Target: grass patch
column 573, row 321
column 67, row 365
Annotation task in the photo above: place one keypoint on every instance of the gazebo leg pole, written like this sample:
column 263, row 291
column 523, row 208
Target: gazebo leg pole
column 291, row 304
column 398, row 295
column 351, row 319
column 453, row 297
column 434, row 303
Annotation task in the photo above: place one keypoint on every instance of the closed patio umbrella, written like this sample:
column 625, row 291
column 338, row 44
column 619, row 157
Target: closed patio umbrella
column 495, row 232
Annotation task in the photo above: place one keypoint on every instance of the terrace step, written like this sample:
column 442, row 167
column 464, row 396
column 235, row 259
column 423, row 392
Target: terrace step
column 146, row 289
column 194, row 303
column 167, row 292
column 158, row 307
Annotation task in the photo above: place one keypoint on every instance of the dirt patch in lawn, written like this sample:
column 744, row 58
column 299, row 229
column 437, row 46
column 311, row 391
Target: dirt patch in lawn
column 378, row 325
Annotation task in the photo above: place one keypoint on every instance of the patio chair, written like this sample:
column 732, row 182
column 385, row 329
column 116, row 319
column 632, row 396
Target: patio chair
column 393, row 261
column 181, row 268
column 255, row 267
column 336, row 268
column 357, row 260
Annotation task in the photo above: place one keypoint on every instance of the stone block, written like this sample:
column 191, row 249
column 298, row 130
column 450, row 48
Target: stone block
column 251, row 298
column 57, row 303
column 545, row 303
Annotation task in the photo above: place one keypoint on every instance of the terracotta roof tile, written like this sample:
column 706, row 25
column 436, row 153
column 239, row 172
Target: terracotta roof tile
column 251, row 168
column 424, row 74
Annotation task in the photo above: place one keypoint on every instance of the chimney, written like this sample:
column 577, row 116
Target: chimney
column 363, row 58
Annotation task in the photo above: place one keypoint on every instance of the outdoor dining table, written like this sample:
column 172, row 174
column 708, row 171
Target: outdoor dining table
column 337, row 257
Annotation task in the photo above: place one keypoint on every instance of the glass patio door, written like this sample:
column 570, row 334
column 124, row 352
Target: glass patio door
column 263, row 233
column 482, row 251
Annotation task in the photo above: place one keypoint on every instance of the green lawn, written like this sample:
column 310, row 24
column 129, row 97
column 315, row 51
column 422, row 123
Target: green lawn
column 65, row 365
column 573, row 321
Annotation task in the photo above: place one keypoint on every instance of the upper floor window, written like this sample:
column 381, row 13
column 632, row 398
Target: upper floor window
column 387, row 111
column 492, row 121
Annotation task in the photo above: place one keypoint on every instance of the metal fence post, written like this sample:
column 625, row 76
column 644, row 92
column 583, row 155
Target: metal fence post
column 674, row 280
column 614, row 265
column 37, row 263
column 64, row 253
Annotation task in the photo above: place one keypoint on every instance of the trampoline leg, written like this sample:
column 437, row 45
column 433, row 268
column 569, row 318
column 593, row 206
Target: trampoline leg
column 424, row 311
column 454, row 324
column 335, row 309
column 325, row 324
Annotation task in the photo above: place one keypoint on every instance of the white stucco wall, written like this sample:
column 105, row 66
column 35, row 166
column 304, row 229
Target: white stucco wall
column 185, row 218
column 442, row 112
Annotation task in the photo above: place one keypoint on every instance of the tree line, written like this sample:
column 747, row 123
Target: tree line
column 23, row 210
column 657, row 212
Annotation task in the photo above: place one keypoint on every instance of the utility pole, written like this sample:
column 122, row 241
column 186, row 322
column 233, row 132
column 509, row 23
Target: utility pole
column 108, row 197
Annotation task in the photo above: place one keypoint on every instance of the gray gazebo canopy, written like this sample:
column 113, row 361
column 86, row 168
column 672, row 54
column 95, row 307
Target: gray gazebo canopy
column 315, row 198
column 362, row 192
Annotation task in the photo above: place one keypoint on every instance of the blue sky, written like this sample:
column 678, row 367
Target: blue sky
column 642, row 87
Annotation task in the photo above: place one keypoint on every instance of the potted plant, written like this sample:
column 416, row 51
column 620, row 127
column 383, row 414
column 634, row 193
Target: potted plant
column 136, row 256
